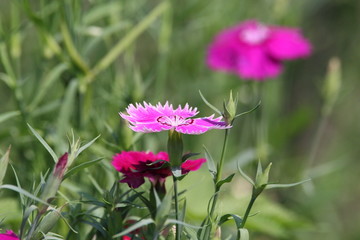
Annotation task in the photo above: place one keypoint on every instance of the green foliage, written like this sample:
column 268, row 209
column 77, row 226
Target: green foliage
column 73, row 65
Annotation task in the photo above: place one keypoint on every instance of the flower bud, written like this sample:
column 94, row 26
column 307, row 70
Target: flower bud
column 230, row 109
column 262, row 179
column 332, row 84
column 61, row 166
column 46, row 224
column 53, row 182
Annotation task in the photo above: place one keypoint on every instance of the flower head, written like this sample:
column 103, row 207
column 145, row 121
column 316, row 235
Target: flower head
column 149, row 118
column 135, row 166
column 256, row 51
column 9, row 235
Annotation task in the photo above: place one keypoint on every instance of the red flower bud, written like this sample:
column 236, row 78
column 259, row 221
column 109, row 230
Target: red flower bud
column 60, row 166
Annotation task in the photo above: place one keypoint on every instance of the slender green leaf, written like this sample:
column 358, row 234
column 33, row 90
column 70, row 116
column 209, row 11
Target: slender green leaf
column 237, row 219
column 8, row 115
column 210, row 162
column 191, row 233
column 86, row 146
column 174, row 221
column 44, row 143
column 23, row 192
column 101, row 11
column 81, row 166
column 243, row 174
column 4, row 161
column 142, row 223
column 270, row 186
column 67, row 107
column 22, row 200
column 72, row 50
column 225, row 180
column 47, row 83
column 126, row 41
column 25, row 218
column 164, row 209
column 251, row 110
column 209, row 104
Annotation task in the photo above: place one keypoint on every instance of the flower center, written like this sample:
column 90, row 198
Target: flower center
column 174, row 121
column 255, row 34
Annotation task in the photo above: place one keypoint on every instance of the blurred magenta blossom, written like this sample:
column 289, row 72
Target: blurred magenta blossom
column 9, row 235
column 149, row 118
column 253, row 50
column 137, row 165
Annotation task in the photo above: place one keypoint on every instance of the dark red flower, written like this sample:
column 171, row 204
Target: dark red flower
column 135, row 166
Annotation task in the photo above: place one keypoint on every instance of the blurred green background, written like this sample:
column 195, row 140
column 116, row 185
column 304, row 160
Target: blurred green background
column 73, row 65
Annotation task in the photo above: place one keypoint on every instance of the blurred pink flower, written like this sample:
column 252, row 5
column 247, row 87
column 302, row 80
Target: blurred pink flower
column 256, row 51
column 149, row 118
column 9, row 235
column 135, row 166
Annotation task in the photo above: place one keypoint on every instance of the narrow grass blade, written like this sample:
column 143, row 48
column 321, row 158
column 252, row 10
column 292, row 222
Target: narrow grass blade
column 23, row 192
column 137, row 225
column 44, row 143
column 81, row 166
column 126, row 41
column 66, row 109
column 8, row 115
column 4, row 161
column 47, row 82
column 86, row 146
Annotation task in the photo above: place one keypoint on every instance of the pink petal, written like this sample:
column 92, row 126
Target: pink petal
column 201, row 125
column 254, row 63
column 222, row 53
column 144, row 118
column 149, row 127
column 287, row 43
column 192, row 165
column 125, row 161
column 9, row 235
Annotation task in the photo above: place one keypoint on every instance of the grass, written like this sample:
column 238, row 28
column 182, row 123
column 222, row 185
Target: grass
column 72, row 66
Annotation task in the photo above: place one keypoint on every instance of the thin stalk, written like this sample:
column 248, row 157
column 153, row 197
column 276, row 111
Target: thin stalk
column 221, row 164
column 248, row 209
column 177, row 226
column 309, row 187
column 218, row 178
column 319, row 132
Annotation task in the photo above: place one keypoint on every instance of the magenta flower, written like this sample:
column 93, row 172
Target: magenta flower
column 135, row 166
column 256, row 51
column 149, row 118
column 9, row 235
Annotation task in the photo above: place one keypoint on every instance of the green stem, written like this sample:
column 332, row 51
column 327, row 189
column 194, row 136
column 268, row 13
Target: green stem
column 218, row 178
column 221, row 164
column 315, row 146
column 178, row 233
column 248, row 209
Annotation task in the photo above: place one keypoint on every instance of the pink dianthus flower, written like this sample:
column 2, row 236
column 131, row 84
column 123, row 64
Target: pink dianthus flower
column 135, row 166
column 256, row 51
column 149, row 118
column 9, row 235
